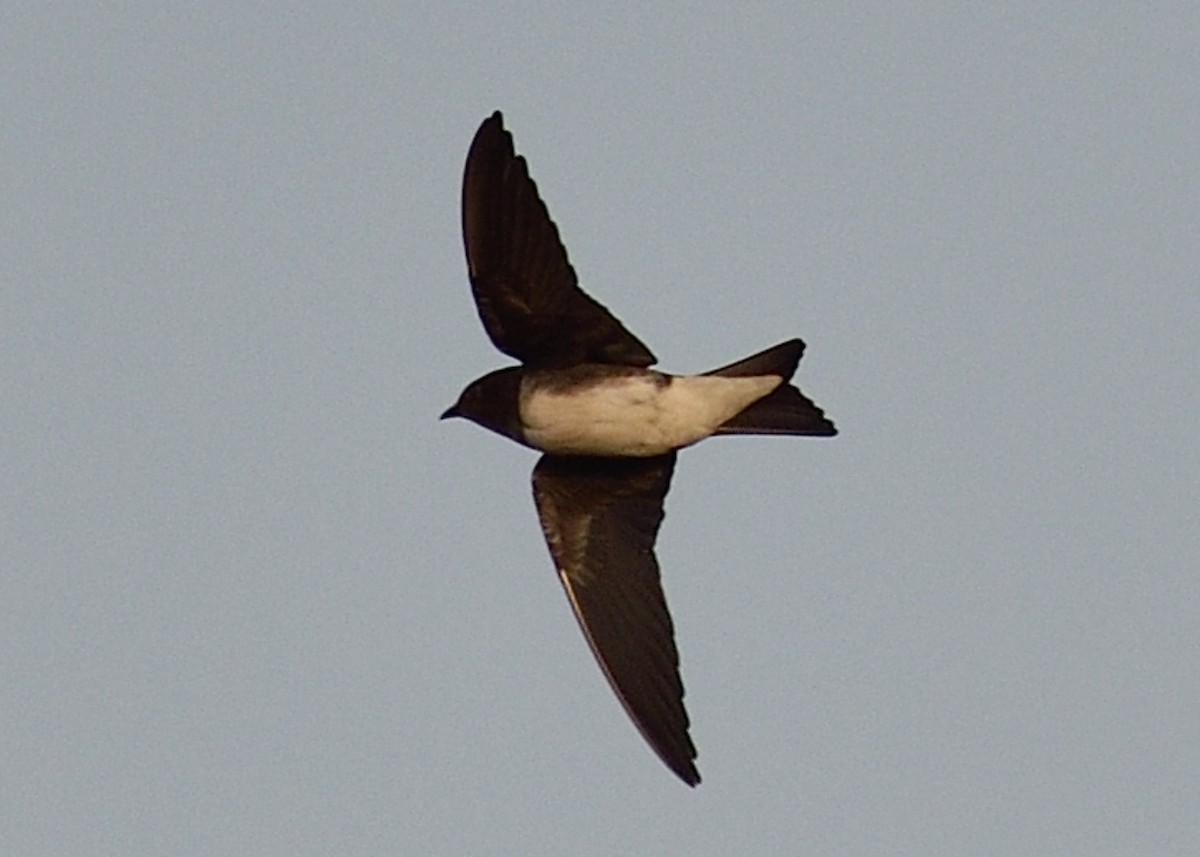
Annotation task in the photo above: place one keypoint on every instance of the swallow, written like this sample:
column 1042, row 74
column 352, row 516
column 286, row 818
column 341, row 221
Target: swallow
column 609, row 428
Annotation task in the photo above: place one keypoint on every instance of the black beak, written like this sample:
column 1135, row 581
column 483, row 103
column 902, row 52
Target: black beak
column 451, row 411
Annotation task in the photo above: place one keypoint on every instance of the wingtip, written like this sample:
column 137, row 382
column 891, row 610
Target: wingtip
column 497, row 118
column 682, row 765
column 488, row 128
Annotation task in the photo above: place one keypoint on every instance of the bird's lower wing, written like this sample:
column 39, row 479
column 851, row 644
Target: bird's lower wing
column 601, row 517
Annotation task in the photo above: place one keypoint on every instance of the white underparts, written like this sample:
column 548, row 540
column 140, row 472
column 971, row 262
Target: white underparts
column 636, row 415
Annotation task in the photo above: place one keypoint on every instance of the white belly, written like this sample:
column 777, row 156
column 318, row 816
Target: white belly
column 636, row 415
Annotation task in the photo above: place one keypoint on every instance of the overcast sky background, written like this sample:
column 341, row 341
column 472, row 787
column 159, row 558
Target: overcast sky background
column 256, row 599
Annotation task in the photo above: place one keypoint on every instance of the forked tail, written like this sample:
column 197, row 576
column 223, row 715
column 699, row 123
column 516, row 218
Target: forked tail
column 785, row 410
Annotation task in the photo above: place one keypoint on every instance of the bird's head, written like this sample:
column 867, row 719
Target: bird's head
column 493, row 402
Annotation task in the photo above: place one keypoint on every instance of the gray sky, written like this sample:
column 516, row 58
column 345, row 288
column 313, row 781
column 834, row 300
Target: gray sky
column 256, row 599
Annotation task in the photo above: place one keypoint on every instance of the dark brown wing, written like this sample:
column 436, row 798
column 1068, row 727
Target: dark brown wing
column 601, row 516
column 524, row 286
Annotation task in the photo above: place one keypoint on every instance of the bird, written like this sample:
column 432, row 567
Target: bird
column 608, row 427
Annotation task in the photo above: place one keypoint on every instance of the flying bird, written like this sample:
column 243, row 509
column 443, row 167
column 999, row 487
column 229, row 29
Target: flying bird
column 608, row 426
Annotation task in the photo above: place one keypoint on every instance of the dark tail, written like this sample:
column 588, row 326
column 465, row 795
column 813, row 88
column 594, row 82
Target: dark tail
column 785, row 410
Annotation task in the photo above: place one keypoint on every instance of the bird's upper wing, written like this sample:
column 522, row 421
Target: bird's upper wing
column 528, row 297
column 600, row 517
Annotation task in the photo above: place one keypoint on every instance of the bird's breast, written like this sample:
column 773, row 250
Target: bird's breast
column 636, row 413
